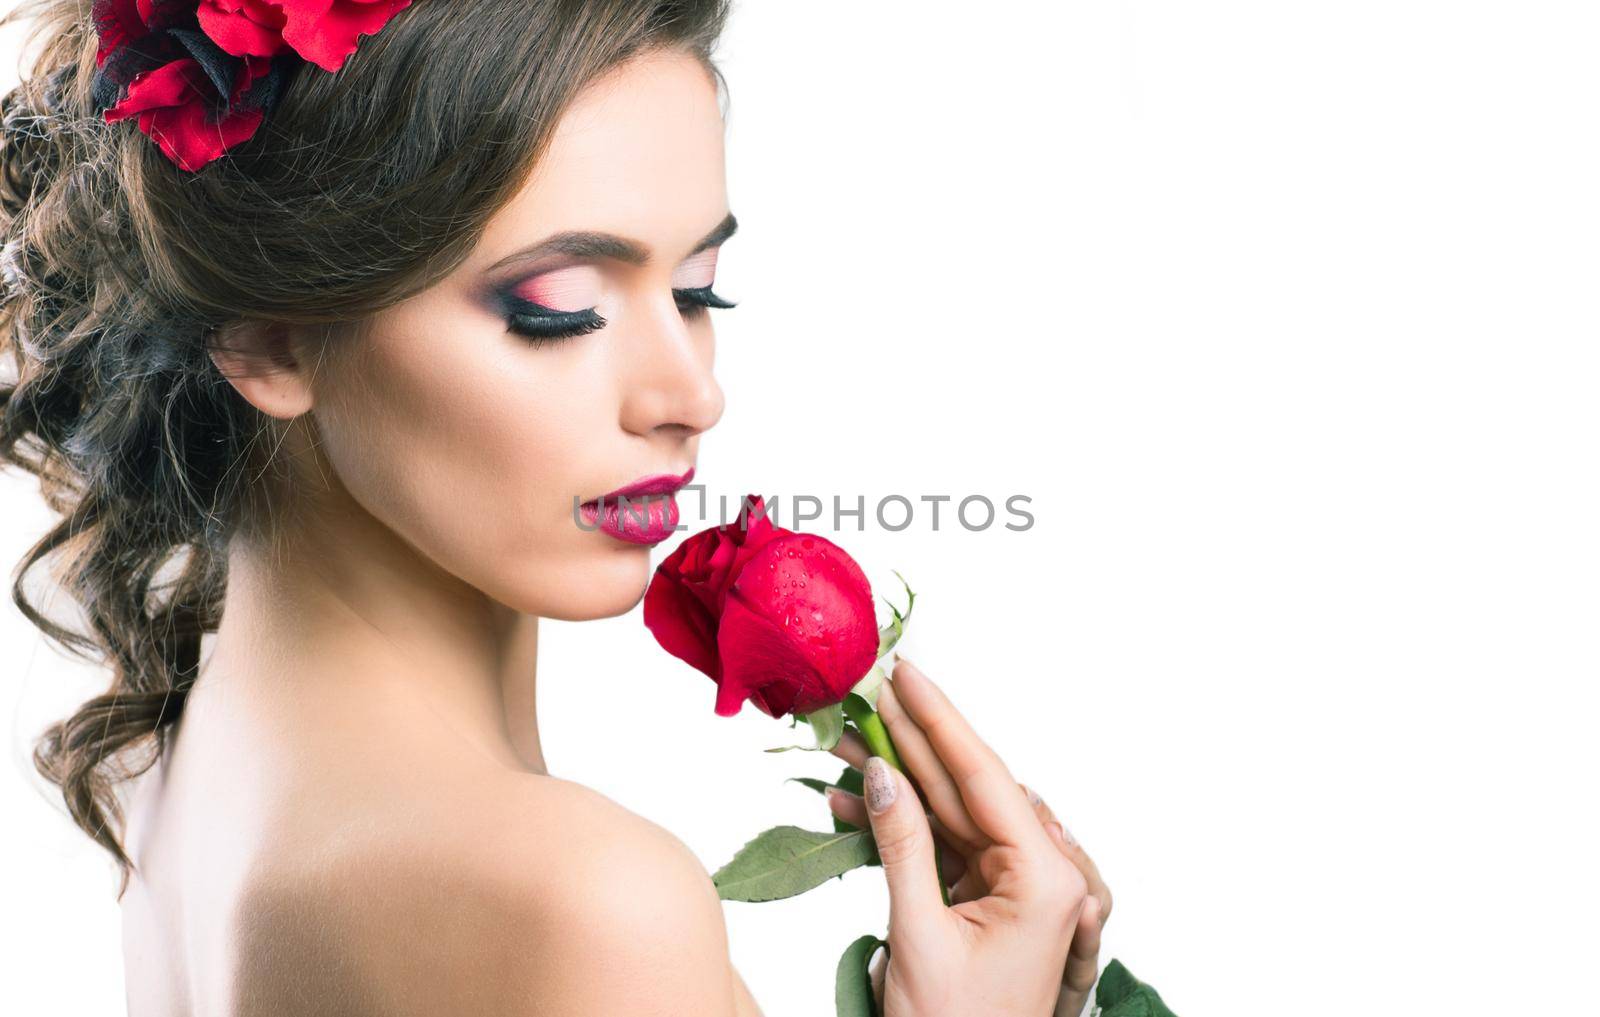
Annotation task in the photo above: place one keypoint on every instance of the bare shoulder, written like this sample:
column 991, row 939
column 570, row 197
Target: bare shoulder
column 533, row 896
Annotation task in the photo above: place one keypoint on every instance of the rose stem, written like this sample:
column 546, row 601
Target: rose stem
column 870, row 725
column 872, row 731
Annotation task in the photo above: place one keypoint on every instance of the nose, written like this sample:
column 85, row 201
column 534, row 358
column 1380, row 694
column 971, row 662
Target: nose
column 669, row 382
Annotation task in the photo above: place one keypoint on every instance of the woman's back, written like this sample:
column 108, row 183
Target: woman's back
column 323, row 861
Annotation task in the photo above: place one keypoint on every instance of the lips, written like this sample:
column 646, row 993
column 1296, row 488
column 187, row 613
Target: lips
column 643, row 512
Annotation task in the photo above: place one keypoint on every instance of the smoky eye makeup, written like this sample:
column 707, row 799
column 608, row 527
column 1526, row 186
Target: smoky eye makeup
column 560, row 303
column 553, row 305
column 691, row 283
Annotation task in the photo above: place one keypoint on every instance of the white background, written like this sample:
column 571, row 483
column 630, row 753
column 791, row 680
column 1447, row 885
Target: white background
column 1284, row 316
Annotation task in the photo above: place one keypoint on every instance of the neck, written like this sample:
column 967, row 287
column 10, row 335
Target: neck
column 340, row 598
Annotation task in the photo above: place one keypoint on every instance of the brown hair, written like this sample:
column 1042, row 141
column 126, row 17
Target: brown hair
column 361, row 188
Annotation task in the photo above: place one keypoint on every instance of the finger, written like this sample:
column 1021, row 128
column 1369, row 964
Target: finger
column 853, row 810
column 991, row 795
column 852, row 748
column 1083, row 962
column 969, row 887
column 1068, row 845
column 876, row 973
column 923, row 763
column 905, row 846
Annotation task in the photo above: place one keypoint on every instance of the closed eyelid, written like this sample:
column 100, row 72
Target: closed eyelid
column 574, row 288
column 697, row 271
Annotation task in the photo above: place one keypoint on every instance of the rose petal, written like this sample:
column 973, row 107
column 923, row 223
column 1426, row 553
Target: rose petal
column 681, row 624
column 817, row 595
column 762, row 663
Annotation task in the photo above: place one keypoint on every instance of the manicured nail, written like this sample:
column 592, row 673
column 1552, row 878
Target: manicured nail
column 1061, row 833
column 1033, row 796
column 879, row 784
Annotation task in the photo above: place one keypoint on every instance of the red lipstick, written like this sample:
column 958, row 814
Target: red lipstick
column 643, row 512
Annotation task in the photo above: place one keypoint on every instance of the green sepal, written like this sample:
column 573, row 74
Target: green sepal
column 867, row 688
column 786, row 861
column 852, row 986
column 827, row 724
column 890, row 634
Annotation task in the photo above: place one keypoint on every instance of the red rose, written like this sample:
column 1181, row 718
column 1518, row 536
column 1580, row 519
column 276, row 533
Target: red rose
column 174, row 103
column 324, row 32
column 784, row 619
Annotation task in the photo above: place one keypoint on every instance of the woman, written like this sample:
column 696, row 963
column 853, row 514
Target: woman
column 350, row 381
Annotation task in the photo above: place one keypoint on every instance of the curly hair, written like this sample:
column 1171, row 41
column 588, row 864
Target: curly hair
column 120, row 271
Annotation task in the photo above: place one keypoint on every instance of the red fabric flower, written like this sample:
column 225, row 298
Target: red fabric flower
column 201, row 75
column 784, row 619
column 174, row 107
column 244, row 27
column 324, row 32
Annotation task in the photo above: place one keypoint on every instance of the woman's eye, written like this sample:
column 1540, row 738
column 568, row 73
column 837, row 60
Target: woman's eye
column 544, row 324
column 695, row 301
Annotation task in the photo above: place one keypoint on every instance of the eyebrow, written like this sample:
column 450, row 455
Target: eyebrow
column 590, row 244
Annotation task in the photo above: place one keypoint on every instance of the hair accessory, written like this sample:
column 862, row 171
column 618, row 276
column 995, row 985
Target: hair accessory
column 201, row 75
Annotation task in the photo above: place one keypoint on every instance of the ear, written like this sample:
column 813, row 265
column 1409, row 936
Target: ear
column 264, row 362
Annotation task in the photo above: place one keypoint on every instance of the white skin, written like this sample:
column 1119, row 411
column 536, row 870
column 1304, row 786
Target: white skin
column 356, row 816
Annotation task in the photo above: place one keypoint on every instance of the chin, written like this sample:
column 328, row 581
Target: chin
column 600, row 585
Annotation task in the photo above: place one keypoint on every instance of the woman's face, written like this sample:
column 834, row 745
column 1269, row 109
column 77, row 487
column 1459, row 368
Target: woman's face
column 472, row 427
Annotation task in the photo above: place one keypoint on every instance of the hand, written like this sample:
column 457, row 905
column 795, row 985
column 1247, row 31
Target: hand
column 1005, row 946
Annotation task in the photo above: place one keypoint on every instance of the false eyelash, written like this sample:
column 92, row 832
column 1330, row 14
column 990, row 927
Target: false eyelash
column 700, row 297
column 543, row 324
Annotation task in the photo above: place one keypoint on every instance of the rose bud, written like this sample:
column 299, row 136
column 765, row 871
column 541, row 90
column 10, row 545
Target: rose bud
column 781, row 618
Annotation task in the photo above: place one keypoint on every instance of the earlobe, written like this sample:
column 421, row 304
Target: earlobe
column 260, row 360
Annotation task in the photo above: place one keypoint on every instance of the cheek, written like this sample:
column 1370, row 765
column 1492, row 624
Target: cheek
column 471, row 446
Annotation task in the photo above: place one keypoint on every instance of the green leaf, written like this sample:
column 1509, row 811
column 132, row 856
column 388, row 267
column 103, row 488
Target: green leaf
column 890, row 634
column 1119, row 994
column 819, row 786
column 786, row 860
column 852, row 986
column 849, row 780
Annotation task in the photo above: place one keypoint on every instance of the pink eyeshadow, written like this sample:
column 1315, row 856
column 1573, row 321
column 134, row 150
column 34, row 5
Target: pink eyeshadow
column 564, row 289
column 698, row 271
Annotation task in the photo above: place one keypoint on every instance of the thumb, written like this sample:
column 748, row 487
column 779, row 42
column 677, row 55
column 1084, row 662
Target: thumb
column 905, row 846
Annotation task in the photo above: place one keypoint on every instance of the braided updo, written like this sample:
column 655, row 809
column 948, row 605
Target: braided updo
column 118, row 270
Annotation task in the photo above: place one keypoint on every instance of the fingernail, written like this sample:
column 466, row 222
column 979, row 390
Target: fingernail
column 1033, row 796
column 879, row 784
column 1059, row 832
